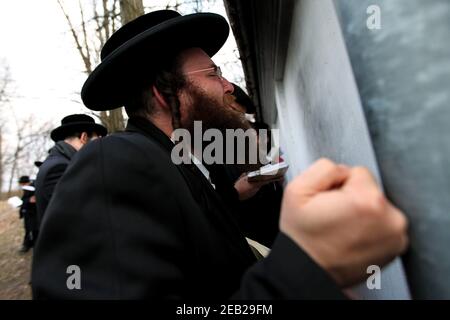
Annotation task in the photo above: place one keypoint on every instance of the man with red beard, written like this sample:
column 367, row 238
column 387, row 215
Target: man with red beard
column 145, row 227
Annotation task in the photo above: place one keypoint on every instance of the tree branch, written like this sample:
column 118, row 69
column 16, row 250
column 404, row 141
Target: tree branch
column 86, row 61
column 83, row 26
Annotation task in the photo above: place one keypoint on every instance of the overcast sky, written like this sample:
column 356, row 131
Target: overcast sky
column 46, row 69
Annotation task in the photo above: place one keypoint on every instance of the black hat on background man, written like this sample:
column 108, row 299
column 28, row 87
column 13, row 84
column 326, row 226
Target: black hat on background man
column 24, row 179
column 139, row 48
column 243, row 99
column 77, row 123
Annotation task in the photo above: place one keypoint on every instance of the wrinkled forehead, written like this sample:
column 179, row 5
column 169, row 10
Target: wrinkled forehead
column 193, row 59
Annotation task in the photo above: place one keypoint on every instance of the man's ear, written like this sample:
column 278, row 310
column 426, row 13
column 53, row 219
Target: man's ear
column 84, row 137
column 159, row 97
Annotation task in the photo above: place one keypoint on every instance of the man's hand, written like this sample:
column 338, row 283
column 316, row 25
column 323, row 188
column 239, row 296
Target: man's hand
column 340, row 217
column 247, row 189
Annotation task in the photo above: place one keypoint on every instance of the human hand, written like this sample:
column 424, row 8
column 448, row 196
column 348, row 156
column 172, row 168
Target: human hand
column 247, row 189
column 340, row 217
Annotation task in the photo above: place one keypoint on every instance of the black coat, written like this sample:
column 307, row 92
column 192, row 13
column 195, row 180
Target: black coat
column 258, row 216
column 139, row 226
column 27, row 207
column 49, row 174
column 28, row 212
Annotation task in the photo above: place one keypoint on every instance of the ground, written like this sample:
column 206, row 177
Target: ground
column 14, row 266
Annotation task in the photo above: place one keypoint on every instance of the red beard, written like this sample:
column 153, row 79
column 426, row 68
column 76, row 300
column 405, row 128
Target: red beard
column 216, row 115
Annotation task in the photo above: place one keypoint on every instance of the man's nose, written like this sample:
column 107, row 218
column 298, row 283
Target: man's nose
column 227, row 86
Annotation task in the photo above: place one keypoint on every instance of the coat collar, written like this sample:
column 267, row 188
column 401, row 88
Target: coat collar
column 146, row 127
column 64, row 149
column 201, row 189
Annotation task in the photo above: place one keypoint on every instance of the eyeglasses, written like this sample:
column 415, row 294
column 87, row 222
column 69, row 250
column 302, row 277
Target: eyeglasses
column 217, row 71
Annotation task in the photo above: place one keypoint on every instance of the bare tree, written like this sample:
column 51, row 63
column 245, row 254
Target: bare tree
column 131, row 9
column 90, row 37
column 31, row 143
column 28, row 143
column 188, row 6
column 5, row 80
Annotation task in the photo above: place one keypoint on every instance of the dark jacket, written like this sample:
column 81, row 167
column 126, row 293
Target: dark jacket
column 28, row 207
column 258, row 216
column 50, row 172
column 139, row 226
column 28, row 213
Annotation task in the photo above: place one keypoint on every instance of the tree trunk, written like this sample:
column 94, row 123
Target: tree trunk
column 13, row 170
column 115, row 121
column 130, row 9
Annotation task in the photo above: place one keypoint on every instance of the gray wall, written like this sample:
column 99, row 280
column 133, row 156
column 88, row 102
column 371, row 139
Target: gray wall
column 319, row 111
column 403, row 76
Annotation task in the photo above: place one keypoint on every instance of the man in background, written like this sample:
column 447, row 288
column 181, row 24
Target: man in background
column 76, row 131
column 28, row 213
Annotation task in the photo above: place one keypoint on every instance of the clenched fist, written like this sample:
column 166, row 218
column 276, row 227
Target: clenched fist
column 340, row 217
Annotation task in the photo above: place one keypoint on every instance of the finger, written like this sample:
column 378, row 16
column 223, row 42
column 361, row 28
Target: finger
column 270, row 179
column 266, row 182
column 323, row 175
column 361, row 179
column 244, row 175
column 400, row 223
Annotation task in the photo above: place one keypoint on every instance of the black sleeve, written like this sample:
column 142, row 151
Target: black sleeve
column 52, row 178
column 24, row 208
column 287, row 273
column 259, row 215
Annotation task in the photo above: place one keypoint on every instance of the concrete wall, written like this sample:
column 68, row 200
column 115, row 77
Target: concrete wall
column 319, row 110
column 403, row 75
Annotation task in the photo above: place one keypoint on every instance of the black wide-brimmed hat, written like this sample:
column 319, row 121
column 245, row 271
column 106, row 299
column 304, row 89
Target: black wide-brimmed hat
column 24, row 179
column 77, row 123
column 140, row 47
column 38, row 163
column 243, row 99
